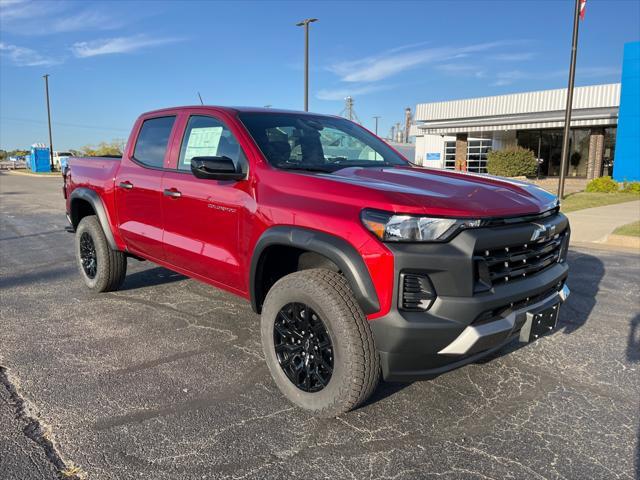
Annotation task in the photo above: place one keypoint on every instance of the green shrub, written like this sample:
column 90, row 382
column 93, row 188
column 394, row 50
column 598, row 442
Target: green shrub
column 603, row 185
column 512, row 162
column 631, row 187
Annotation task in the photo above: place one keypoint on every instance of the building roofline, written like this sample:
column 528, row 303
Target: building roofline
column 605, row 96
column 504, row 95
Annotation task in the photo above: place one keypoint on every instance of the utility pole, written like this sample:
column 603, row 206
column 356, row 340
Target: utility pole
column 567, row 115
column 377, row 117
column 46, row 88
column 305, row 23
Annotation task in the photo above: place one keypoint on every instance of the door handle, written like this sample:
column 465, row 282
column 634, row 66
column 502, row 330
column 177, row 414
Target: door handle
column 172, row 192
column 126, row 185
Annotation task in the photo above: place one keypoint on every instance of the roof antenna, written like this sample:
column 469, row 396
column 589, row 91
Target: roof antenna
column 200, row 97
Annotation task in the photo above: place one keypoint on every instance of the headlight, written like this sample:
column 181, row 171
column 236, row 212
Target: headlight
column 409, row 228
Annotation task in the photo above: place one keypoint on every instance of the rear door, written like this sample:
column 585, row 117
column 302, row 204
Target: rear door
column 138, row 187
column 202, row 217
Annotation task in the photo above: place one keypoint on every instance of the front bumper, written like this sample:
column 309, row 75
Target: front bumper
column 465, row 323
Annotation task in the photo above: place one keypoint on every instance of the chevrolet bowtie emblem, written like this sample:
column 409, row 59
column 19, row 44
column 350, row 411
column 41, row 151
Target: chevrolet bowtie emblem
column 543, row 232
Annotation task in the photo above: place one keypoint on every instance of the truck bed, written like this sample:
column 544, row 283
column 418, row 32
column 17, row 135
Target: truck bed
column 94, row 172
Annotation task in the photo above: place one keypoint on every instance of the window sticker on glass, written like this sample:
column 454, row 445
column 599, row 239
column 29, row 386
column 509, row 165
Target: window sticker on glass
column 203, row 142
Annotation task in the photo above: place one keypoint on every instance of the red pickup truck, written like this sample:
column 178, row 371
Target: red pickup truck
column 360, row 263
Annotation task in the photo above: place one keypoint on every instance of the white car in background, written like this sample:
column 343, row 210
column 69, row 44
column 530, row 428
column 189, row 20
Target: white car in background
column 60, row 159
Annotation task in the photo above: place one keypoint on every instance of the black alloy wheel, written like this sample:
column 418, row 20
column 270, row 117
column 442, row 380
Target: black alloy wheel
column 303, row 347
column 88, row 255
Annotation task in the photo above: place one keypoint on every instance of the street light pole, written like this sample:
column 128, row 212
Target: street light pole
column 305, row 23
column 46, row 88
column 376, row 118
column 567, row 115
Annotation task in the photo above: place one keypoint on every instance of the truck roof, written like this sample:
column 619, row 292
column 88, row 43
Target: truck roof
column 235, row 109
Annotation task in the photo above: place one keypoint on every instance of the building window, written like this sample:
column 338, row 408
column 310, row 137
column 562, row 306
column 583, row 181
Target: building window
column 609, row 151
column 547, row 146
column 477, row 151
column 578, row 152
column 450, row 155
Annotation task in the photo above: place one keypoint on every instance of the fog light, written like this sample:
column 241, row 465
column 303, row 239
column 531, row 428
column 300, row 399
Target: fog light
column 416, row 292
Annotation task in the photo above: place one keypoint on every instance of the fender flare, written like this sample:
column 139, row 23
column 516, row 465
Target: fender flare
column 91, row 196
column 336, row 249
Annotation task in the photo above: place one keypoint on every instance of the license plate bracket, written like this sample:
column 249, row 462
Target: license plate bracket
column 540, row 322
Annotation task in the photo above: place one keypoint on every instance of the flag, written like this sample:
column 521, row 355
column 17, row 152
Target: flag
column 583, row 7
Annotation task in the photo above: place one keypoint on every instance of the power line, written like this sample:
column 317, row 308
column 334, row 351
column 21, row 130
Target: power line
column 64, row 124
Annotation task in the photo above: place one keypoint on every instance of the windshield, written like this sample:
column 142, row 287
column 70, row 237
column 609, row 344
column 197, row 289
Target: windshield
column 317, row 143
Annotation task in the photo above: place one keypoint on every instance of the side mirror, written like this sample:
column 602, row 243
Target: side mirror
column 215, row 168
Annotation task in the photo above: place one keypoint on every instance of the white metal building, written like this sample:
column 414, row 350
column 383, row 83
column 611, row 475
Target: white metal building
column 462, row 132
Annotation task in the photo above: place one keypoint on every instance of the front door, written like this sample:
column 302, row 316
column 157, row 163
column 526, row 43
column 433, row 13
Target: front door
column 138, row 188
column 202, row 217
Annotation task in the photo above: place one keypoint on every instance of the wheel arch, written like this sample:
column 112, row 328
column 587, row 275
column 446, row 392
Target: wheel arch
column 336, row 253
column 85, row 201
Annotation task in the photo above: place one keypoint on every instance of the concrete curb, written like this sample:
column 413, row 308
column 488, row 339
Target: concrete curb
column 625, row 241
column 603, row 246
column 31, row 174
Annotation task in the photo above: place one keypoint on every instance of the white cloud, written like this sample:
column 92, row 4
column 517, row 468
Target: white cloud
column 23, row 9
column 117, row 45
column 513, row 57
column 25, row 57
column 397, row 60
column 462, row 69
column 341, row 93
column 87, row 20
column 36, row 18
column 507, row 78
column 589, row 72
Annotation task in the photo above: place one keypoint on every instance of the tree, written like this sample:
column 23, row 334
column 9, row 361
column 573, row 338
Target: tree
column 115, row 147
column 4, row 154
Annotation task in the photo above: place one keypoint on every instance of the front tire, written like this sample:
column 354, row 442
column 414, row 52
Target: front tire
column 318, row 344
column 101, row 268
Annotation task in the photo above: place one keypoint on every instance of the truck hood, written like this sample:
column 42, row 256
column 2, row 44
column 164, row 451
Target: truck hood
column 442, row 192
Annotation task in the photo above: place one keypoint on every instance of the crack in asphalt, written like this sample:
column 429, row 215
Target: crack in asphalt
column 38, row 431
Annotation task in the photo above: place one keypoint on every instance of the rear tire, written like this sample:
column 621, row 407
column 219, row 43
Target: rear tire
column 355, row 371
column 101, row 268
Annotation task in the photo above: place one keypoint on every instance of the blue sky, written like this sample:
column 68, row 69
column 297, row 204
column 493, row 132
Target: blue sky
column 110, row 61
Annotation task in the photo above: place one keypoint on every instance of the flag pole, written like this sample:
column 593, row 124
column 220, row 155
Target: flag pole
column 567, row 116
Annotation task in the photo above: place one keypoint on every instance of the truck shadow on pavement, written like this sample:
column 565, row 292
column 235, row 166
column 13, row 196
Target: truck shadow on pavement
column 38, row 275
column 585, row 273
column 150, row 277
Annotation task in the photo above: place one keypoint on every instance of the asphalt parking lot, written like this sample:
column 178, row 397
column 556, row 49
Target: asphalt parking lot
column 165, row 379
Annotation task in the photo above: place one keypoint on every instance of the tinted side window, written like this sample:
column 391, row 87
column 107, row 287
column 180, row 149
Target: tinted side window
column 208, row 137
column 151, row 145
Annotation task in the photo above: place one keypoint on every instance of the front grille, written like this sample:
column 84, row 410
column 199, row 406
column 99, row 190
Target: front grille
column 416, row 292
column 514, row 262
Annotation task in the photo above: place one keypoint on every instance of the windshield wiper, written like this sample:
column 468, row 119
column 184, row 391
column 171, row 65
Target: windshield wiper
column 363, row 163
column 306, row 168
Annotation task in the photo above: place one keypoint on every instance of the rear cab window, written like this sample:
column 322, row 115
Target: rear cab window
column 152, row 141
